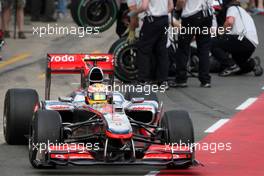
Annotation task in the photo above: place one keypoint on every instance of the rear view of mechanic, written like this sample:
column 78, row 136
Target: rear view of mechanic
column 195, row 14
column 240, row 41
column 152, row 41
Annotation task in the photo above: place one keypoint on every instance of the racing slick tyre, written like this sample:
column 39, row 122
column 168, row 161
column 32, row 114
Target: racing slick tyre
column 179, row 131
column 19, row 107
column 152, row 96
column 125, row 60
column 45, row 129
column 74, row 11
column 97, row 13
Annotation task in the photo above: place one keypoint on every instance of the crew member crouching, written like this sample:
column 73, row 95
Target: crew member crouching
column 240, row 41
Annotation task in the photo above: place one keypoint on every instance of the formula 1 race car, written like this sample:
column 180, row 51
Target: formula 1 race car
column 95, row 126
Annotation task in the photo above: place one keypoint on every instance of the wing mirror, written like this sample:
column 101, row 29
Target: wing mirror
column 66, row 99
column 137, row 100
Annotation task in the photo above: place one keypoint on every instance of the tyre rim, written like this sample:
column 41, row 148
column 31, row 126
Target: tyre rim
column 125, row 63
column 98, row 13
column 127, row 60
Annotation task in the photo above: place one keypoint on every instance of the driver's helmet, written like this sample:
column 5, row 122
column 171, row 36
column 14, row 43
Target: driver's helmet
column 97, row 94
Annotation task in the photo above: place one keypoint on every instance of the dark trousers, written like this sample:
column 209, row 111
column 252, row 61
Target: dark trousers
column 152, row 55
column 203, row 47
column 38, row 5
column 241, row 52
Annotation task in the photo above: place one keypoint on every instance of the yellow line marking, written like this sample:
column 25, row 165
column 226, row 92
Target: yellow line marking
column 14, row 59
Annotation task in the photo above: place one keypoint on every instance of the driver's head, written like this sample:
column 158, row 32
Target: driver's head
column 97, row 94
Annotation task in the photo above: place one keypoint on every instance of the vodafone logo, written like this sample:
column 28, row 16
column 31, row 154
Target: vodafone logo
column 60, row 58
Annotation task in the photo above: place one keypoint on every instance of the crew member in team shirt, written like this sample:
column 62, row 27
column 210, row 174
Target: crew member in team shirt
column 152, row 41
column 240, row 41
column 195, row 14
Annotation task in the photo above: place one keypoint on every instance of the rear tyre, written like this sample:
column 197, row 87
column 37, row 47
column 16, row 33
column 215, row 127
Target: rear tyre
column 18, row 112
column 46, row 128
column 179, row 130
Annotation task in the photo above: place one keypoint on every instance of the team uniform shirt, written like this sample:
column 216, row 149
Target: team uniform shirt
column 158, row 8
column 244, row 24
column 194, row 6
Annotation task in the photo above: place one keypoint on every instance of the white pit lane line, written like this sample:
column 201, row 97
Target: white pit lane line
column 216, row 125
column 152, row 173
column 246, row 104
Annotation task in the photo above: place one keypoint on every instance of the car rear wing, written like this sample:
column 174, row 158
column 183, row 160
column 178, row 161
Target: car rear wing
column 77, row 64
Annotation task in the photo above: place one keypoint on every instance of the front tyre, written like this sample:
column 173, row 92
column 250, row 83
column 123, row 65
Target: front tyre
column 45, row 129
column 179, row 131
column 18, row 112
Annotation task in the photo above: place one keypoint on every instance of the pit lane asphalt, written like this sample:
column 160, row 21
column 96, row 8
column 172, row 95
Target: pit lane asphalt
column 206, row 106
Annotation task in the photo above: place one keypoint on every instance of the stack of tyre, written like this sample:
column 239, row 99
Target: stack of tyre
column 125, row 61
column 94, row 13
